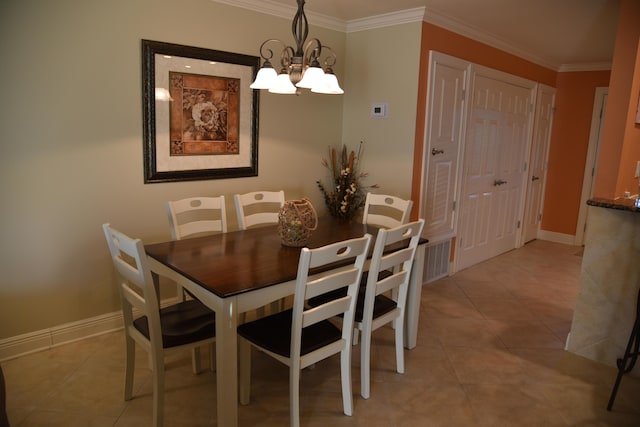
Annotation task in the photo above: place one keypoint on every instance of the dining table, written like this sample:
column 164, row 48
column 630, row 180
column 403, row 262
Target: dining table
column 239, row 271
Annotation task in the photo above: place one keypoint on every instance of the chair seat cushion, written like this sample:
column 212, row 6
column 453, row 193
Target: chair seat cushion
column 186, row 322
column 273, row 333
column 381, row 305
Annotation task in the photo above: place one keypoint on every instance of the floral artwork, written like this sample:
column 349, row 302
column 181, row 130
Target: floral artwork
column 203, row 114
column 346, row 195
column 200, row 118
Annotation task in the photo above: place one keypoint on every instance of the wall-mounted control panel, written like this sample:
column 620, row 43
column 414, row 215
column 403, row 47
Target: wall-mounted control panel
column 379, row 110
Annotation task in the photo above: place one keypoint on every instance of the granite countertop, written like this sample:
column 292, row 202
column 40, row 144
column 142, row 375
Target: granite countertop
column 620, row 204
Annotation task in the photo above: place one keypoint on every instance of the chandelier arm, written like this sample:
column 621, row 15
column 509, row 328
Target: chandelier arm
column 267, row 53
column 312, row 51
column 331, row 59
column 286, row 55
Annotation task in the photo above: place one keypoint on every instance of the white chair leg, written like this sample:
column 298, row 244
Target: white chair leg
column 294, row 395
column 365, row 365
column 158, row 392
column 345, row 374
column 356, row 332
column 400, row 346
column 244, row 365
column 130, row 367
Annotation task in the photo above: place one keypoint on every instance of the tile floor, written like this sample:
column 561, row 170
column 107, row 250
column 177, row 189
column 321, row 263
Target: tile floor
column 490, row 353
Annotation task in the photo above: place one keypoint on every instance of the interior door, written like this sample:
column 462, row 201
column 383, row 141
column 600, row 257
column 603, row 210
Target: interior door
column 494, row 168
column 444, row 131
column 543, row 120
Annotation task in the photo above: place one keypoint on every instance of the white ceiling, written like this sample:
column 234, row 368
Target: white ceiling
column 563, row 34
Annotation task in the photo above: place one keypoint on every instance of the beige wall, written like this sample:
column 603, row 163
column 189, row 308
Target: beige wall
column 71, row 136
column 382, row 67
column 71, row 143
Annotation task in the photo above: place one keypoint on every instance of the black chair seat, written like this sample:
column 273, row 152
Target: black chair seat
column 182, row 323
column 274, row 334
column 382, row 304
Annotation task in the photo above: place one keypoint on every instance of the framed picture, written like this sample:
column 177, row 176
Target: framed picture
column 200, row 116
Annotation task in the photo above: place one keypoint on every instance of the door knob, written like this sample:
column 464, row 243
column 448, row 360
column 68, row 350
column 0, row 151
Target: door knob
column 535, row 178
column 434, row 151
column 498, row 182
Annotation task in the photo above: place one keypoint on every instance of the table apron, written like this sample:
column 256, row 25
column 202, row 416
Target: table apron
column 260, row 297
column 208, row 298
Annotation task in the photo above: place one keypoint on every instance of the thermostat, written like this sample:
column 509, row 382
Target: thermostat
column 379, row 110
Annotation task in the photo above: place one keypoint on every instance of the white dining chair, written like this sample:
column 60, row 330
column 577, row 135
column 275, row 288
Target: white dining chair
column 382, row 210
column 383, row 294
column 302, row 336
column 255, row 209
column 197, row 215
column 258, row 208
column 179, row 327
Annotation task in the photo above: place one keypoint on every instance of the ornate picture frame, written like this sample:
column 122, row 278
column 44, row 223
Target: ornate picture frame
column 200, row 116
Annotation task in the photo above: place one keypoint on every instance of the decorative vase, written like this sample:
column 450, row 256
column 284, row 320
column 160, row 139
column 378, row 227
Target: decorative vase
column 296, row 220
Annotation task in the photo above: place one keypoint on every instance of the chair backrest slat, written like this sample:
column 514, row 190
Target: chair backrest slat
column 250, row 208
column 197, row 215
column 386, row 211
column 326, row 311
column 330, row 283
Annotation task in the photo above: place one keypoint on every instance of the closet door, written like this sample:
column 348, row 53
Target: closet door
column 444, row 131
column 493, row 180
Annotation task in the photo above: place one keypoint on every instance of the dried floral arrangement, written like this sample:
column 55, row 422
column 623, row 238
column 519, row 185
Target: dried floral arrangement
column 347, row 194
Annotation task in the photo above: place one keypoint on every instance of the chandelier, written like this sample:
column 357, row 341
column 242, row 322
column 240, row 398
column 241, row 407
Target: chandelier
column 300, row 67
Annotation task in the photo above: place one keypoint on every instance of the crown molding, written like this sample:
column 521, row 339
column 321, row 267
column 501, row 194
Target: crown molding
column 280, row 10
column 386, row 20
column 482, row 36
column 418, row 14
column 592, row 66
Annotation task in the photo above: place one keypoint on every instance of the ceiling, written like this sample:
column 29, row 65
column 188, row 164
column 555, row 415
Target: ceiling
column 558, row 33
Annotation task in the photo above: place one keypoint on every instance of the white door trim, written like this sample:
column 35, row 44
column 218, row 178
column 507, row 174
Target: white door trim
column 533, row 167
column 597, row 120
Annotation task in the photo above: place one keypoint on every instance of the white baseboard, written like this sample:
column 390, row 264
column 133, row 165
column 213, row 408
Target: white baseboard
column 32, row 342
column 567, row 239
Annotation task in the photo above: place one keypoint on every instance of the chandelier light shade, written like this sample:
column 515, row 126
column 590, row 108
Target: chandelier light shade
column 300, row 66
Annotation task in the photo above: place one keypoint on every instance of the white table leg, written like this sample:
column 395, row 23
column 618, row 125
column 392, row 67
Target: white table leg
column 413, row 299
column 226, row 364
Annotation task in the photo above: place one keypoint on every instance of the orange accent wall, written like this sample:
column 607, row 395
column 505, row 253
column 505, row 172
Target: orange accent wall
column 575, row 93
column 444, row 41
column 620, row 145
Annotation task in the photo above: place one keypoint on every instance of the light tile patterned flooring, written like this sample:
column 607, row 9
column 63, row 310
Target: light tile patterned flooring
column 490, row 353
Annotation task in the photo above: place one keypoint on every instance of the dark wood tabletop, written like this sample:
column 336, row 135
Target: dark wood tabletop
column 240, row 261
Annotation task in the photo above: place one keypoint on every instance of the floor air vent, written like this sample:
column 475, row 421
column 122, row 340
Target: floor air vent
column 436, row 264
